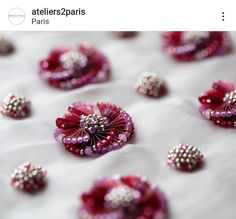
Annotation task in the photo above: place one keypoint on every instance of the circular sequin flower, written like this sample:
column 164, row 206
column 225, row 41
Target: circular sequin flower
column 150, row 84
column 123, row 197
column 28, row 177
column 93, row 129
column 6, row 47
column 15, row 106
column 196, row 45
column 72, row 68
column 219, row 104
column 184, row 157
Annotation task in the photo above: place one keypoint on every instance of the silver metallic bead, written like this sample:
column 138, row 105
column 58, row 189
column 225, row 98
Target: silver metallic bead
column 16, row 106
column 73, row 59
column 184, row 157
column 121, row 196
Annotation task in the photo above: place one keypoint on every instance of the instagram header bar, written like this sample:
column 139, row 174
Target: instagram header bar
column 85, row 15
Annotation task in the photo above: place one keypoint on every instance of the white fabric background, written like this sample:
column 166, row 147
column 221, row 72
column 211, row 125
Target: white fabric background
column 209, row 193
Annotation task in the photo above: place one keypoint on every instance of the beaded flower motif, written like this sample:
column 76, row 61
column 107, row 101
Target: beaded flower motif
column 67, row 68
column 219, row 104
column 93, row 129
column 196, row 45
column 123, row 197
column 28, row 177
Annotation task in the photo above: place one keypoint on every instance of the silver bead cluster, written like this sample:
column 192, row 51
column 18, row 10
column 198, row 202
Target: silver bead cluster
column 149, row 83
column 14, row 105
column 93, row 123
column 73, row 59
column 194, row 36
column 184, row 157
column 230, row 97
column 28, row 174
column 6, row 46
column 121, row 196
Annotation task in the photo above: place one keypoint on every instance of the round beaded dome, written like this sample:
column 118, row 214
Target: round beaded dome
column 150, row 84
column 15, row 106
column 184, row 157
column 28, row 177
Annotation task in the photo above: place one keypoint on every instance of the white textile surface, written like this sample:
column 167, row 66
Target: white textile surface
column 209, row 193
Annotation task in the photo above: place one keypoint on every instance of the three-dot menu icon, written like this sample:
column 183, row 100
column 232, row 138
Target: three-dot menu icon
column 223, row 16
